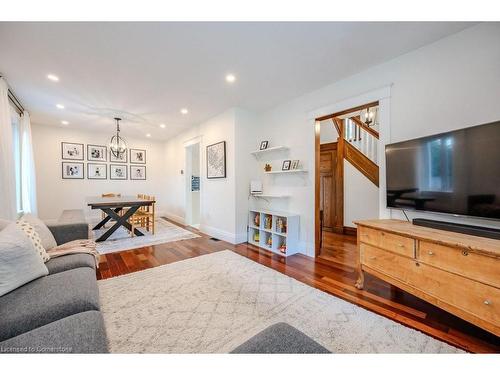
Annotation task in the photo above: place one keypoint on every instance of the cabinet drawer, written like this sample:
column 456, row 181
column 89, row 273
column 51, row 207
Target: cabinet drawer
column 388, row 241
column 386, row 262
column 474, row 297
column 476, row 266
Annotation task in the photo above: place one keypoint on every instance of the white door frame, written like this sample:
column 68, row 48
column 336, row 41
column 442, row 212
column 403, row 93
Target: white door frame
column 188, row 219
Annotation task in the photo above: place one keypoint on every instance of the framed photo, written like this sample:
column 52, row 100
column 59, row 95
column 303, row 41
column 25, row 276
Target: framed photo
column 72, row 171
column 286, row 165
column 263, row 145
column 120, row 159
column 97, row 171
column 97, row 153
column 118, row 172
column 137, row 156
column 295, row 164
column 72, row 151
column 137, row 172
column 216, row 160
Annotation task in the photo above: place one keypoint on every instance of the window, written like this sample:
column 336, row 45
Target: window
column 16, row 134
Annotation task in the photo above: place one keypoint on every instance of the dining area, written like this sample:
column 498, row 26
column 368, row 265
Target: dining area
column 136, row 214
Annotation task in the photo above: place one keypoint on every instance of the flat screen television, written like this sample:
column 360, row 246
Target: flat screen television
column 456, row 173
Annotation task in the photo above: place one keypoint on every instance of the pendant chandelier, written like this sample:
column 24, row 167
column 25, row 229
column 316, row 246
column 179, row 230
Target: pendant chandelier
column 117, row 145
column 369, row 116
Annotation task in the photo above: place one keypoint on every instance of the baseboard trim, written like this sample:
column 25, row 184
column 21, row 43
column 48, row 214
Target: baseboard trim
column 218, row 233
column 176, row 218
column 350, row 231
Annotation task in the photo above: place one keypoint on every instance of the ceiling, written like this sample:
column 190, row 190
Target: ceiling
column 146, row 72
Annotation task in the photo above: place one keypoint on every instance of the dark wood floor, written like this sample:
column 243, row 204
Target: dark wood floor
column 332, row 272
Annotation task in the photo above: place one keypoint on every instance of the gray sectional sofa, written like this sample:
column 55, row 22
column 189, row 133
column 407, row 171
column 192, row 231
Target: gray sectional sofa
column 57, row 313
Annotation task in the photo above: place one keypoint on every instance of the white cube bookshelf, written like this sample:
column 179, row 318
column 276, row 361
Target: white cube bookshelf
column 284, row 239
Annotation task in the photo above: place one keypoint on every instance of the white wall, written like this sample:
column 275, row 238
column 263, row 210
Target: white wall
column 361, row 196
column 217, row 196
column 450, row 84
column 56, row 194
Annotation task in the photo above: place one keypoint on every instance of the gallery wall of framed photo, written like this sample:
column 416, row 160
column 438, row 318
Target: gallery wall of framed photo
column 97, row 162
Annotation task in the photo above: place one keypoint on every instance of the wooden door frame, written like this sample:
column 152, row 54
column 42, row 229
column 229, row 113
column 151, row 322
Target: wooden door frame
column 339, row 198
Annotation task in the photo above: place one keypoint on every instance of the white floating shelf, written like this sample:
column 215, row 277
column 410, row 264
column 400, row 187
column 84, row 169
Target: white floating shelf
column 289, row 171
column 270, row 196
column 276, row 148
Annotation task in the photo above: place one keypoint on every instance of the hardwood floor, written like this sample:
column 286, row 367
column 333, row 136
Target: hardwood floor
column 332, row 272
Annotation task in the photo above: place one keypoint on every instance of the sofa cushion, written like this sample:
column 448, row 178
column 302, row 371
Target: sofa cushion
column 79, row 333
column 48, row 299
column 30, row 231
column 48, row 240
column 19, row 261
column 64, row 233
column 280, row 338
column 69, row 262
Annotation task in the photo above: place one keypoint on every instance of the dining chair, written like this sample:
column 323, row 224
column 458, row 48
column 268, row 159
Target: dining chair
column 145, row 216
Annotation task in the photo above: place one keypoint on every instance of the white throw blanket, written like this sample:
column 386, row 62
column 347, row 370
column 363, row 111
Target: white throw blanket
column 76, row 247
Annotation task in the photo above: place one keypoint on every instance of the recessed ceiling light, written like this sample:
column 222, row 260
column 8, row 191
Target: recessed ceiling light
column 148, row 135
column 53, row 77
column 60, row 106
column 64, row 122
column 162, row 126
column 230, row 78
column 184, row 111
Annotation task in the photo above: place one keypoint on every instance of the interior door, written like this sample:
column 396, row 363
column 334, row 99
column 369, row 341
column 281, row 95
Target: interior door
column 327, row 166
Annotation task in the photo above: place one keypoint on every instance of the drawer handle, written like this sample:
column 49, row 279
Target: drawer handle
column 430, row 253
column 487, row 302
column 465, row 253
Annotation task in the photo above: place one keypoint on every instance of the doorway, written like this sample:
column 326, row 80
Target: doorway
column 193, row 185
column 347, row 179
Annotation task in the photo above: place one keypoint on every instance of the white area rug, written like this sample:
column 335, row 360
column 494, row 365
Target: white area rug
column 121, row 240
column 213, row 303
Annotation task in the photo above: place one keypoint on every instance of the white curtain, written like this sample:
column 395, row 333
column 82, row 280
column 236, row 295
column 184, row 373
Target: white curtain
column 28, row 177
column 7, row 168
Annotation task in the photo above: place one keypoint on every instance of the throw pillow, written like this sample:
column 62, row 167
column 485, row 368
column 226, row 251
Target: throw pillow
column 19, row 262
column 31, row 233
column 48, row 240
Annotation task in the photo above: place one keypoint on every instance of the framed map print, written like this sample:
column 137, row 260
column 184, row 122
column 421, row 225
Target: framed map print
column 216, row 160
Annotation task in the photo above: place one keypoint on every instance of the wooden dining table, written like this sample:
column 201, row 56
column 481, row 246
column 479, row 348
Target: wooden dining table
column 119, row 209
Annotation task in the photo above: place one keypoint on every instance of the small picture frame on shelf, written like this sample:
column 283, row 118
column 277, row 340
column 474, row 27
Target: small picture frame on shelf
column 286, row 165
column 295, row 164
column 263, row 145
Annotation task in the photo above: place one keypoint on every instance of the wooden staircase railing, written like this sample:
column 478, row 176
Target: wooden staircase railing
column 358, row 145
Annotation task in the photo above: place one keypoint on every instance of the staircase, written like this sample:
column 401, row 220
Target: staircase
column 360, row 145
